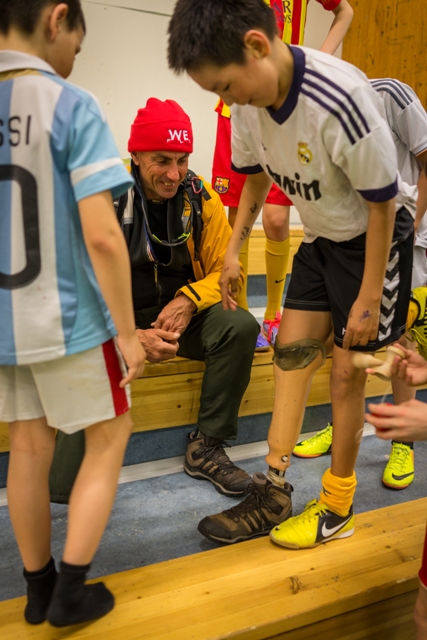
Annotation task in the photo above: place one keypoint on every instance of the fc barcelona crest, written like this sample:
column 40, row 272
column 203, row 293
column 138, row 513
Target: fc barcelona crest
column 221, row 184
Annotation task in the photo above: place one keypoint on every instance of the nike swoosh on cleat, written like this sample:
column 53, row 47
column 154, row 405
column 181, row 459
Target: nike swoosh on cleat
column 405, row 475
column 279, row 281
column 326, row 533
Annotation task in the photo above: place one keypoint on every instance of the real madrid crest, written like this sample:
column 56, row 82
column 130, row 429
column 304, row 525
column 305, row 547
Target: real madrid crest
column 304, row 154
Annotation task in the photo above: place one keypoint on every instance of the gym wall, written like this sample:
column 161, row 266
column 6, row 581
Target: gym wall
column 388, row 38
column 123, row 62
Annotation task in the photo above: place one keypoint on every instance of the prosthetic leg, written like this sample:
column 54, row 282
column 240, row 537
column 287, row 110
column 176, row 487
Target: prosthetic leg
column 294, row 366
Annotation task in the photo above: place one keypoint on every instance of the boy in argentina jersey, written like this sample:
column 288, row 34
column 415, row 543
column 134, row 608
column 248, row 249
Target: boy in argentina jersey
column 310, row 123
column 65, row 294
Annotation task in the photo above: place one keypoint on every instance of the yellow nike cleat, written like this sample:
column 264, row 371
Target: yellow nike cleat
column 316, row 524
column 399, row 472
column 317, row 445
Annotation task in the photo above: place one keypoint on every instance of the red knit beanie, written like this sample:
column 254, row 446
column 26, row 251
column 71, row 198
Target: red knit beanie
column 161, row 126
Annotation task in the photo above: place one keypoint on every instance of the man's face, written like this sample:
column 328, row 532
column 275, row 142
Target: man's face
column 161, row 172
column 253, row 82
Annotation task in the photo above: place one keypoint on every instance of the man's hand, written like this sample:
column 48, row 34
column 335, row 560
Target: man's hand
column 229, row 282
column 362, row 323
column 159, row 345
column 176, row 315
column 134, row 356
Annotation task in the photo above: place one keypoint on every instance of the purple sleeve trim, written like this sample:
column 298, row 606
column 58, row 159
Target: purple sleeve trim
column 247, row 170
column 380, row 195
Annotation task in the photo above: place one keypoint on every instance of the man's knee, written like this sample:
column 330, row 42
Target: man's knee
column 299, row 354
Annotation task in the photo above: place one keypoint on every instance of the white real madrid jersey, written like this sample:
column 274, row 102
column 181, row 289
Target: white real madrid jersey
column 55, row 149
column 327, row 147
column 407, row 120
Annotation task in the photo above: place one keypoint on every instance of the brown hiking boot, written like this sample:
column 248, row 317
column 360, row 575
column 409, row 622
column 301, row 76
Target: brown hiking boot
column 206, row 459
column 265, row 507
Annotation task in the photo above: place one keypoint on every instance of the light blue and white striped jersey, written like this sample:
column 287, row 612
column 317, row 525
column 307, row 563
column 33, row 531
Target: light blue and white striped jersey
column 327, row 147
column 55, row 149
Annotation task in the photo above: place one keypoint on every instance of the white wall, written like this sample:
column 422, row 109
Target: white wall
column 123, row 62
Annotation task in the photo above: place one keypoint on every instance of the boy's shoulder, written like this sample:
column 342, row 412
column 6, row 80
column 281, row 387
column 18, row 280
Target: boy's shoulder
column 331, row 67
column 16, row 64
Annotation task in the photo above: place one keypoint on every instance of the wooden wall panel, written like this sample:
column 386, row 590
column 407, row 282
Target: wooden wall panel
column 388, row 39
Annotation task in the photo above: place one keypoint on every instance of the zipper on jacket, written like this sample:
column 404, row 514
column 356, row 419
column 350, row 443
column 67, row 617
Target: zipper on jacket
column 157, row 283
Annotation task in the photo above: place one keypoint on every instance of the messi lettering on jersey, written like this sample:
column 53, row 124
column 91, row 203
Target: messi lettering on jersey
column 15, row 131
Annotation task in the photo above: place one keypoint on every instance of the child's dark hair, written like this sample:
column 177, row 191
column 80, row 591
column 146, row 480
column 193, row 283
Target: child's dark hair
column 212, row 31
column 25, row 14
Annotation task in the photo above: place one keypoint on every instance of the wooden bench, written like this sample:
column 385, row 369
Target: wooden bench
column 361, row 587
column 168, row 393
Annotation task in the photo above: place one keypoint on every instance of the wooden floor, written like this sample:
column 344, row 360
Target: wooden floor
column 360, row 587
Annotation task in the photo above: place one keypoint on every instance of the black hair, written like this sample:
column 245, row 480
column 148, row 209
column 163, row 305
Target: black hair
column 25, row 14
column 212, row 31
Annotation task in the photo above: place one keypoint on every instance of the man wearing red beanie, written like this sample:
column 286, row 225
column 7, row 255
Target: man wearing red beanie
column 177, row 232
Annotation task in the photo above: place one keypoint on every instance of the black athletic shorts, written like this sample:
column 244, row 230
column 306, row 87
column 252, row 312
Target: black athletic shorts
column 326, row 276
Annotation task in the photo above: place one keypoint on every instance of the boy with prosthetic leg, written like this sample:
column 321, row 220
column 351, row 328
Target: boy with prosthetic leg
column 353, row 270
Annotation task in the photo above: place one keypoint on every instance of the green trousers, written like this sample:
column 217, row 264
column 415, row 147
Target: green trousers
column 225, row 341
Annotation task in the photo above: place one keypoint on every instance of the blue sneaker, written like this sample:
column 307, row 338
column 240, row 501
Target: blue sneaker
column 262, row 344
column 270, row 328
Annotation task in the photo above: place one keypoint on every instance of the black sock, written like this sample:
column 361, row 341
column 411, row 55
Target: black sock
column 40, row 586
column 73, row 601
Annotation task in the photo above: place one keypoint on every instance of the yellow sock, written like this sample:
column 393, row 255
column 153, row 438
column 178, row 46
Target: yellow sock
column 338, row 493
column 276, row 265
column 242, row 298
column 413, row 312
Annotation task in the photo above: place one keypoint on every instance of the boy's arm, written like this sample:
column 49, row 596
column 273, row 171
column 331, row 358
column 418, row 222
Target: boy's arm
column 422, row 190
column 253, row 196
column 108, row 252
column 363, row 320
column 343, row 17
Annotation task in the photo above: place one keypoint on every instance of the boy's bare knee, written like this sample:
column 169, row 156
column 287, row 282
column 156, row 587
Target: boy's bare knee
column 31, row 438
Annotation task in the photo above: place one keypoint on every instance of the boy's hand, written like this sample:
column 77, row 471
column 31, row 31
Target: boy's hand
column 159, row 345
column 362, row 323
column 134, row 357
column 412, row 369
column 404, row 422
column 229, row 283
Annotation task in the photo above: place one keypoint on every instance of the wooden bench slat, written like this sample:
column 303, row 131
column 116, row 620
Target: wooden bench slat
column 256, row 590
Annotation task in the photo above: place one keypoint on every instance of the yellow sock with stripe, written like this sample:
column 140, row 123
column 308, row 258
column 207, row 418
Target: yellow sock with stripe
column 242, row 298
column 276, row 265
column 338, row 493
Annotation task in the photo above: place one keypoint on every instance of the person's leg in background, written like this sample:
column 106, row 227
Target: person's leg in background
column 275, row 220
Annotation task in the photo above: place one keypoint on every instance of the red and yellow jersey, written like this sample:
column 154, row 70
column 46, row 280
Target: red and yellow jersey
column 291, row 16
column 290, row 19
